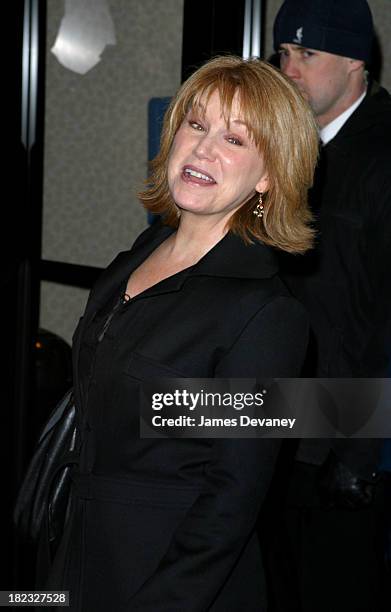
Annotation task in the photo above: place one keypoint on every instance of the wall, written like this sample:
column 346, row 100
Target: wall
column 96, row 131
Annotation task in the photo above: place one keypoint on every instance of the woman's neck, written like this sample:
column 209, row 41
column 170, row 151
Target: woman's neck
column 196, row 236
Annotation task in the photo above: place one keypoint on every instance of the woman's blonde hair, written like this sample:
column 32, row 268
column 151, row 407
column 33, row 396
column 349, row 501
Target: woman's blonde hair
column 284, row 130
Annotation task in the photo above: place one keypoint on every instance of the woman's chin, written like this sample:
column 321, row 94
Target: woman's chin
column 192, row 209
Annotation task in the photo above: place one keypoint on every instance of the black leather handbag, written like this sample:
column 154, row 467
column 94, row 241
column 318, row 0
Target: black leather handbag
column 44, row 494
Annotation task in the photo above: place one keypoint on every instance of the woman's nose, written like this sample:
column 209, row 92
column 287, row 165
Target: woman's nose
column 206, row 147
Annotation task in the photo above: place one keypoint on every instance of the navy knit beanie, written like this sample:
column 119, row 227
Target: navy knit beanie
column 342, row 27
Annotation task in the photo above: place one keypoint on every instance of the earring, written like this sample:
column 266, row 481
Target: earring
column 258, row 210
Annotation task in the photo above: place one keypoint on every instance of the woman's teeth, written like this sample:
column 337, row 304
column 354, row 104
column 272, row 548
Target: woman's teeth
column 199, row 175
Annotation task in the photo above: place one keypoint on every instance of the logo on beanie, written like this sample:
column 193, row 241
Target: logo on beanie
column 299, row 36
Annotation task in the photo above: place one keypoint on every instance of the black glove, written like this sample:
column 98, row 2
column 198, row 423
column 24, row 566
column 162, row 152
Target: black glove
column 339, row 487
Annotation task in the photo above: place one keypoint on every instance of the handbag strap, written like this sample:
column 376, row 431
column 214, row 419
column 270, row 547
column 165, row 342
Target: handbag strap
column 57, row 413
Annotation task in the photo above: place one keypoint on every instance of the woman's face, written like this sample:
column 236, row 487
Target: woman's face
column 213, row 170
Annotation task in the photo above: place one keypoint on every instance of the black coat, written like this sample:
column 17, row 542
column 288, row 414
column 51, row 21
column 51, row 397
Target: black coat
column 168, row 525
column 345, row 283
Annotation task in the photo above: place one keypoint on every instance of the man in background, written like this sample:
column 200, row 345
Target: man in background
column 331, row 557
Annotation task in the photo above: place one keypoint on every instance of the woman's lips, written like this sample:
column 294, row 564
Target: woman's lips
column 191, row 174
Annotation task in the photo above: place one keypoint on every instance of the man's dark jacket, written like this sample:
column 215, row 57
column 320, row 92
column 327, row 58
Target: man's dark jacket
column 345, row 283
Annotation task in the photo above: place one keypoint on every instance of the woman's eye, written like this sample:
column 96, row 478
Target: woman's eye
column 196, row 126
column 234, row 140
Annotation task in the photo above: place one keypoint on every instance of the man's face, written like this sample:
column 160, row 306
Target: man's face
column 323, row 78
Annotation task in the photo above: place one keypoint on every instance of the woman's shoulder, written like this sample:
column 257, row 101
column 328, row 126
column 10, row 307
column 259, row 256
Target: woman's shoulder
column 265, row 302
column 267, row 290
column 269, row 301
column 285, row 307
column 285, row 302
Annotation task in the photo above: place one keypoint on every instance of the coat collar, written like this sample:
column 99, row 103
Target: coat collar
column 375, row 108
column 232, row 258
column 229, row 258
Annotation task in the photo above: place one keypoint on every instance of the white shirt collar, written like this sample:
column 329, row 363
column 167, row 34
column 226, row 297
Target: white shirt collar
column 330, row 130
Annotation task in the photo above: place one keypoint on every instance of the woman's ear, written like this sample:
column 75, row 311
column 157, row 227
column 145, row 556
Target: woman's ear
column 263, row 185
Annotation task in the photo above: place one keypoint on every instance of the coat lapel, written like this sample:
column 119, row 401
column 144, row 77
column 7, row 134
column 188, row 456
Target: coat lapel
column 122, row 266
column 228, row 258
column 109, row 281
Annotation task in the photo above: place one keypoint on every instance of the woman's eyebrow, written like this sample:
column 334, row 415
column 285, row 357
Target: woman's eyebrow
column 202, row 109
column 240, row 122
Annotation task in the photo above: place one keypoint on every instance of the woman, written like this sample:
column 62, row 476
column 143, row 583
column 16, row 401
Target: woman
column 168, row 524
